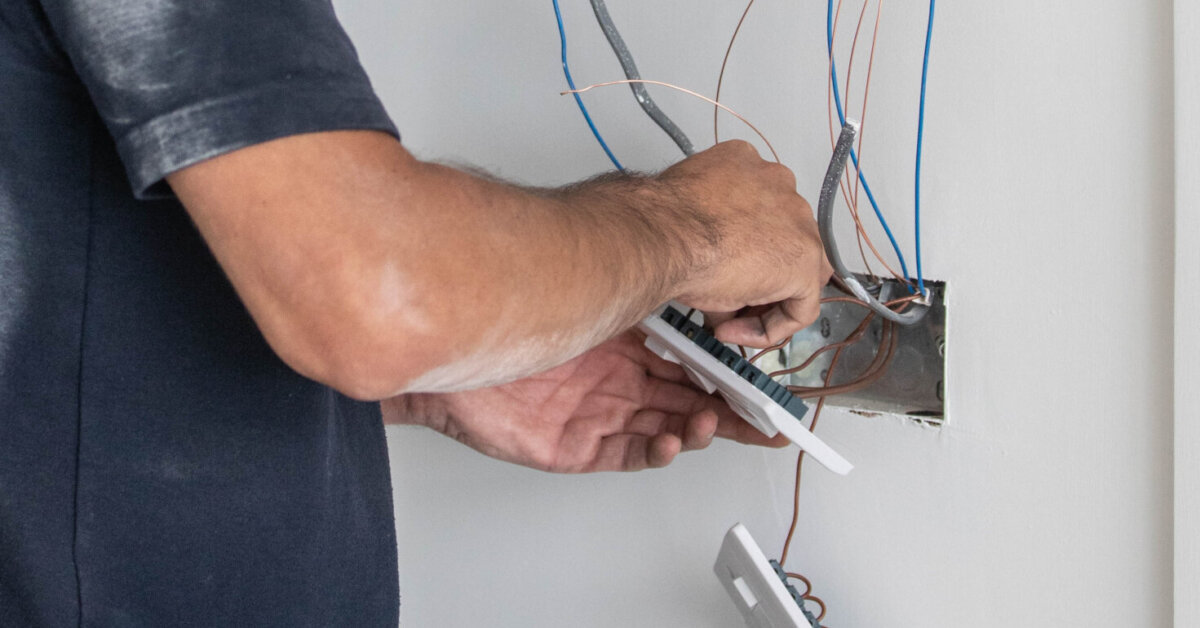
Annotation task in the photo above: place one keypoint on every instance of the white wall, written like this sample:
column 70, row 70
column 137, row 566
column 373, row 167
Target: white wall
column 1048, row 200
column 1187, row 302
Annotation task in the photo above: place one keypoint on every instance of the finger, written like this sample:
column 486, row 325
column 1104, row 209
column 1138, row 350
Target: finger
column 730, row 426
column 675, row 398
column 665, row 369
column 700, row 429
column 770, row 326
column 712, row 320
column 633, row 344
column 631, row 452
column 654, row 422
column 695, row 431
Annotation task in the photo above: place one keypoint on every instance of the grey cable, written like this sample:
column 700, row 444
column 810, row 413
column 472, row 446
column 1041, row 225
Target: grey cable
column 829, row 190
column 631, row 72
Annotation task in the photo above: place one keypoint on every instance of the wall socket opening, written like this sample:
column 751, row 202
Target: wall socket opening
column 914, row 385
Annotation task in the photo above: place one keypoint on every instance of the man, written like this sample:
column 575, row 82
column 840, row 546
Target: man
column 216, row 258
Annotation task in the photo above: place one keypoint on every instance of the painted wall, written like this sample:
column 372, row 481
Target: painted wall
column 1187, row 301
column 1048, row 200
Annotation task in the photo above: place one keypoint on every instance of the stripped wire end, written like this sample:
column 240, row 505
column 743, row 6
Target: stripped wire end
column 926, row 297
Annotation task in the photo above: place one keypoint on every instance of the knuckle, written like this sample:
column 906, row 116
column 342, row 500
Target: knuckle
column 741, row 147
column 783, row 174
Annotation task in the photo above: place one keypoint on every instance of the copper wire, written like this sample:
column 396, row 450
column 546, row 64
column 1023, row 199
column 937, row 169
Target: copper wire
column 862, row 120
column 801, row 578
column 779, row 345
column 854, row 337
column 874, row 371
column 861, row 230
column 854, row 49
column 721, row 76
column 686, row 91
column 787, row 544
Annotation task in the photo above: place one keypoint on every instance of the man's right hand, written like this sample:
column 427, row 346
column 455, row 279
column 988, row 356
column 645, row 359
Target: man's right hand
column 761, row 281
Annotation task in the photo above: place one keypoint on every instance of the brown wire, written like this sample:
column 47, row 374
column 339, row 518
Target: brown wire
column 866, row 94
column 854, row 337
column 861, row 230
column 821, row 603
column 680, row 89
column 801, row 578
column 874, row 371
column 787, row 543
column 779, row 345
column 721, row 76
column 853, row 49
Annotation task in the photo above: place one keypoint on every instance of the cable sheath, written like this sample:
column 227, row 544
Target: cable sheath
column 829, row 190
column 642, row 96
column 837, row 99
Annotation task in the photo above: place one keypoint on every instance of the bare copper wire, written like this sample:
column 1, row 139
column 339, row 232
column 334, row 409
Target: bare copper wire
column 866, row 94
column 721, row 76
column 853, row 199
column 861, row 230
column 686, row 91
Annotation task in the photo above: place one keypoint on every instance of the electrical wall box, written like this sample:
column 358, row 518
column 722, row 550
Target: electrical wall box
column 913, row 386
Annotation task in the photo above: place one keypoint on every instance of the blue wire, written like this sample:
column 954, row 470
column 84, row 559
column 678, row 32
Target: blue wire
column 837, row 99
column 920, row 137
column 562, row 35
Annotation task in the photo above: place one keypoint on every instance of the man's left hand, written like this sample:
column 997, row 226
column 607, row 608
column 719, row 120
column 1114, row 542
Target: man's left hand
column 617, row 407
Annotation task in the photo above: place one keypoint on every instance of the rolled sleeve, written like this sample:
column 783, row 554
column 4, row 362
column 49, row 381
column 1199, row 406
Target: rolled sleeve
column 180, row 81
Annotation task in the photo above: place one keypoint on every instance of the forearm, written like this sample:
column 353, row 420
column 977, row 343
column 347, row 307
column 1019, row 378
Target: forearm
column 378, row 274
column 521, row 280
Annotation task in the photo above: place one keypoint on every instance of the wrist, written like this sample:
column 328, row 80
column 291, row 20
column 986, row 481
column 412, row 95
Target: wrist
column 413, row 409
column 668, row 240
column 697, row 235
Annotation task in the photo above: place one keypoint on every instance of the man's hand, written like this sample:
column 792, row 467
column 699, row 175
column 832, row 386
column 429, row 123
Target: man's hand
column 618, row 407
column 763, row 280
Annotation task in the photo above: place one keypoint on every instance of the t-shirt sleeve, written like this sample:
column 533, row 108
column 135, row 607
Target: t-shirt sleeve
column 179, row 81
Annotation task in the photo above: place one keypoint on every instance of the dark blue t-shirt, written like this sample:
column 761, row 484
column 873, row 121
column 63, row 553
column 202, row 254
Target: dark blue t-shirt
column 159, row 465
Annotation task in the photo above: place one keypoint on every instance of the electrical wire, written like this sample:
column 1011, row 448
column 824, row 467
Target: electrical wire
column 852, row 200
column 829, row 188
column 862, row 119
column 920, row 141
column 640, row 94
column 854, row 154
column 888, row 338
column 721, row 77
column 562, row 35
column 686, row 91
column 860, row 231
column 808, row 596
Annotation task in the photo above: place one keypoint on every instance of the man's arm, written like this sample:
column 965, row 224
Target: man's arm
column 379, row 274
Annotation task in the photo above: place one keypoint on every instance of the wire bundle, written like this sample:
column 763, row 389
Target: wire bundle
column 892, row 312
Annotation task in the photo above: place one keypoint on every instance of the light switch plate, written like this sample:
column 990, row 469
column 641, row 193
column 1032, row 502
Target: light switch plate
column 753, row 584
column 735, row 381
